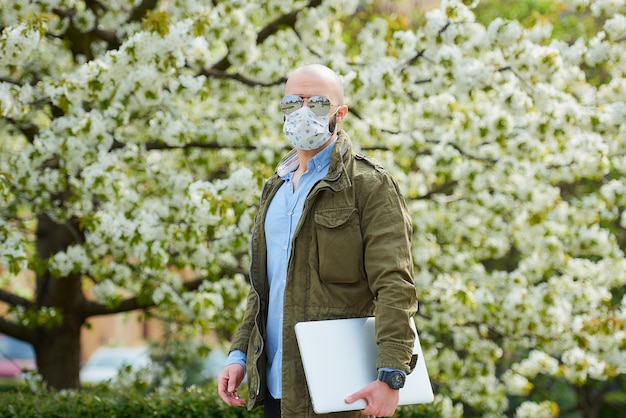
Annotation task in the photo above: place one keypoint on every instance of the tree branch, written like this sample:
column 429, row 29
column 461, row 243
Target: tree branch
column 17, row 331
column 201, row 145
column 29, row 131
column 413, row 59
column 109, row 37
column 519, row 77
column 217, row 72
column 287, row 20
column 10, row 81
column 91, row 308
column 141, row 10
column 14, row 300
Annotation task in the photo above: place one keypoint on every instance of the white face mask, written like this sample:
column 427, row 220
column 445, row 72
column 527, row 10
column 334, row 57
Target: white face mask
column 305, row 130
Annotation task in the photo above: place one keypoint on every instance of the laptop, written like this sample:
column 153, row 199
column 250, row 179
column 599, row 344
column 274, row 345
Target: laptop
column 339, row 358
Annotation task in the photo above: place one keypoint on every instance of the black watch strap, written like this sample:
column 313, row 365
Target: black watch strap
column 393, row 378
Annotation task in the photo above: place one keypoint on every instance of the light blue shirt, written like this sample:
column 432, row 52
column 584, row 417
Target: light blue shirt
column 282, row 218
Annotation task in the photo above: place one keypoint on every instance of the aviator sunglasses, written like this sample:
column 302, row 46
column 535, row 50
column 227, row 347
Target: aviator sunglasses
column 319, row 105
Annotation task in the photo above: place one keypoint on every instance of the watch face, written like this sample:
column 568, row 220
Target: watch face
column 397, row 380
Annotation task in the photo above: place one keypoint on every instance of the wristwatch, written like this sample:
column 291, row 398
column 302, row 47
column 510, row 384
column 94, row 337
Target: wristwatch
column 394, row 379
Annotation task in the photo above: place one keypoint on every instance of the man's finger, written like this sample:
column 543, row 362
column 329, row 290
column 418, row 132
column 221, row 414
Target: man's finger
column 355, row 397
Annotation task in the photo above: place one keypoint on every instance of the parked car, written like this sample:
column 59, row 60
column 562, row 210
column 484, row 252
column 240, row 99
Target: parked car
column 16, row 356
column 106, row 363
column 213, row 364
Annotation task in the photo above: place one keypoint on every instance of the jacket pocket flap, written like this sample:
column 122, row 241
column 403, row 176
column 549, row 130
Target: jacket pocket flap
column 333, row 218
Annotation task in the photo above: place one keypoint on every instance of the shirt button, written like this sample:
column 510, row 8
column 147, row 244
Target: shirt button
column 284, row 247
column 289, row 213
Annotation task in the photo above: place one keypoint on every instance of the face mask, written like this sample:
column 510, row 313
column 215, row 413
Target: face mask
column 307, row 131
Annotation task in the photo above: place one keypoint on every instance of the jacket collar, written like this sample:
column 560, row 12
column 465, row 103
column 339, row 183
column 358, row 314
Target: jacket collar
column 337, row 178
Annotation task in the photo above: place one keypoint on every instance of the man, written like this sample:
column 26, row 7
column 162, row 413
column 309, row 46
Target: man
column 332, row 239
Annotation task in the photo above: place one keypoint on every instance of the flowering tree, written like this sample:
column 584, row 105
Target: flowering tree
column 136, row 135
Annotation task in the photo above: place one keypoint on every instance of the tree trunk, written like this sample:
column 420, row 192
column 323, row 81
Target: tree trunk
column 58, row 356
column 57, row 344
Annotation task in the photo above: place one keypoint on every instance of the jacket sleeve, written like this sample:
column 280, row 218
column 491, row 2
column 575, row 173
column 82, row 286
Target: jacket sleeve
column 387, row 230
column 242, row 336
column 241, row 339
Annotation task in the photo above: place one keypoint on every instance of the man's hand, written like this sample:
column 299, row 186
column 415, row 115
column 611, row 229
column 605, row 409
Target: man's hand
column 227, row 383
column 381, row 399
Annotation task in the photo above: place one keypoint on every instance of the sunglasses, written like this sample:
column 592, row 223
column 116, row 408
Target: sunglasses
column 319, row 105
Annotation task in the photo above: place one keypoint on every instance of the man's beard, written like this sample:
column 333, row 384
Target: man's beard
column 332, row 124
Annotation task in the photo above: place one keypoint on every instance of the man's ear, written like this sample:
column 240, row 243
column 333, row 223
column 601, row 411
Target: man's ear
column 341, row 113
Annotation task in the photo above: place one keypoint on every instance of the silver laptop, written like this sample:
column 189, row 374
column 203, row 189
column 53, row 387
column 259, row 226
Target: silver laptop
column 339, row 358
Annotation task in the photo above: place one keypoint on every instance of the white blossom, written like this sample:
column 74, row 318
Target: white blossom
column 616, row 27
column 103, row 291
column 530, row 409
column 517, row 384
column 72, row 260
column 18, row 43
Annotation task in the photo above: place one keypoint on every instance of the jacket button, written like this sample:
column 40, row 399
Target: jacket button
column 256, row 348
column 252, row 394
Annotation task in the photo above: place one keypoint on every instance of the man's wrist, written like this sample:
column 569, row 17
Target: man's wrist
column 236, row 357
column 392, row 377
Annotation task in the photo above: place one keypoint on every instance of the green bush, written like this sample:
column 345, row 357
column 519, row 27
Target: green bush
column 108, row 402
column 103, row 401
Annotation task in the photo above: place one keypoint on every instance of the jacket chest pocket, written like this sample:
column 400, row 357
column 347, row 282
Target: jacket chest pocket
column 339, row 245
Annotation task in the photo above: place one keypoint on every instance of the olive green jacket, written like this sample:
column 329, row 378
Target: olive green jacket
column 350, row 257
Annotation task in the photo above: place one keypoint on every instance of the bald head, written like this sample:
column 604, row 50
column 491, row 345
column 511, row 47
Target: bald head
column 315, row 80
